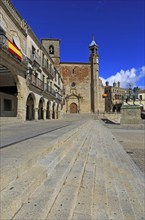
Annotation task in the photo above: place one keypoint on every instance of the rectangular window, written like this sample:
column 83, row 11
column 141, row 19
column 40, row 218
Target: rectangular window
column 47, row 64
column 33, row 50
column 7, row 105
column 43, row 59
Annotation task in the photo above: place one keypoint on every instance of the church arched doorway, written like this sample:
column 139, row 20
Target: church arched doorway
column 73, row 108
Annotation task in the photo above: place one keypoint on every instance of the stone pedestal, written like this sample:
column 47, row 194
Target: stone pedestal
column 130, row 114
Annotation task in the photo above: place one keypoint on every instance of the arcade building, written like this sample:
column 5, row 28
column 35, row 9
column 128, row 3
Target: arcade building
column 34, row 83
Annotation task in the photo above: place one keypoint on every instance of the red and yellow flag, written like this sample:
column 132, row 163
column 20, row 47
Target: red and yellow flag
column 14, row 50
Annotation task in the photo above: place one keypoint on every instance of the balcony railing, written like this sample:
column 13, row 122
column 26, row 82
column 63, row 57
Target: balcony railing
column 58, row 96
column 37, row 82
column 47, row 68
column 35, row 58
column 49, row 89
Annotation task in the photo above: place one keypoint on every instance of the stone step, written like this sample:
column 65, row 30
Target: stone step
column 40, row 203
column 19, row 191
column 118, row 183
column 78, row 116
column 84, row 203
column 9, row 120
column 23, row 156
column 64, row 205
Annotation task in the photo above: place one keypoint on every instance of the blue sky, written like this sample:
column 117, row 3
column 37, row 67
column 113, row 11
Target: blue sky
column 117, row 25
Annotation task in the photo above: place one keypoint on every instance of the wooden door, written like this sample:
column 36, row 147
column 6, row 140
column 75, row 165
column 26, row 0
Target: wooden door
column 73, row 108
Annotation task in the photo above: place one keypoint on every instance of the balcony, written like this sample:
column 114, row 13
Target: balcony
column 47, row 69
column 59, row 97
column 49, row 89
column 36, row 82
column 36, row 59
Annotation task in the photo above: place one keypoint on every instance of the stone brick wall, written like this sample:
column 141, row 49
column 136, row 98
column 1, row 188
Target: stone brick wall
column 12, row 29
column 56, row 44
column 79, row 74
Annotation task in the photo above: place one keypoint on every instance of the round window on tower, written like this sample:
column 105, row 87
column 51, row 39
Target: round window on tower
column 73, row 85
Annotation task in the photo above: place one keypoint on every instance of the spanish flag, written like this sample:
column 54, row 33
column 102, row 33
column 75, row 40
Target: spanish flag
column 14, row 50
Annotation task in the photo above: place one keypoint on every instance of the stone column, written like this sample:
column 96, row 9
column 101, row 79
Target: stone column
column 36, row 114
column 21, row 108
column 55, row 114
column 44, row 114
column 66, row 106
column 58, row 114
column 50, row 114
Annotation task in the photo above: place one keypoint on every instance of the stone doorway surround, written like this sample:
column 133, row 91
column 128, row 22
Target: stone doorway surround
column 73, row 103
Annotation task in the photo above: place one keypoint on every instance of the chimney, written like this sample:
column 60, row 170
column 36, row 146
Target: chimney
column 118, row 84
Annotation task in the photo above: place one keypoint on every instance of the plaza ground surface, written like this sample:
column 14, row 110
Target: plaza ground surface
column 133, row 141
column 75, row 168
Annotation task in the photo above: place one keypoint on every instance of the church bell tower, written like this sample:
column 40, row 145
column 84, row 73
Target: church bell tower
column 53, row 48
column 94, row 80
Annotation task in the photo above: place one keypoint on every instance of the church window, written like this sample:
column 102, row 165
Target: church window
column 51, row 49
column 73, row 84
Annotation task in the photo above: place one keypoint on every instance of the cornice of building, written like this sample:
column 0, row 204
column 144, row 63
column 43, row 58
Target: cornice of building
column 51, row 39
column 15, row 16
column 34, row 37
column 75, row 63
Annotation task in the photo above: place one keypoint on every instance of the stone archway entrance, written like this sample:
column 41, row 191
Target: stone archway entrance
column 53, row 111
column 30, row 108
column 48, row 110
column 73, row 108
column 40, row 109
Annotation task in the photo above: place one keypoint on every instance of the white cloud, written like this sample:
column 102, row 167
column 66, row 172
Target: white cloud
column 126, row 77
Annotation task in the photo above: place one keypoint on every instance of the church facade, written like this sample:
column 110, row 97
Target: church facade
column 83, row 90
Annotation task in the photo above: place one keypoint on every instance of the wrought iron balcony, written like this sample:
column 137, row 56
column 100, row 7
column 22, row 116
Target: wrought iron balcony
column 46, row 68
column 49, row 89
column 58, row 96
column 35, row 58
column 36, row 82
